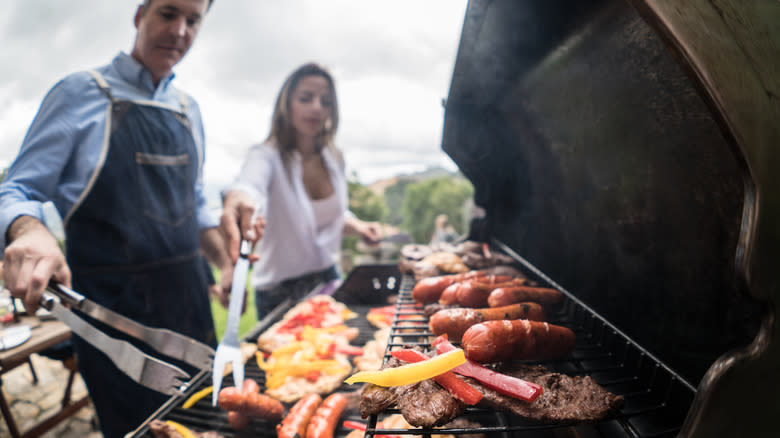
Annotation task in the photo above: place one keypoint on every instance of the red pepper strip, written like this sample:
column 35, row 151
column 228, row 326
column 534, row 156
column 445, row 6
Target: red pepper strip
column 460, row 389
column 349, row 424
column 511, row 386
column 348, row 349
column 486, row 250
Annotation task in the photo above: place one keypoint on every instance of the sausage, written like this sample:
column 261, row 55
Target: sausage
column 504, row 296
column 237, row 420
column 294, row 424
column 494, row 341
column 428, row 290
column 252, row 404
column 474, row 292
column 250, row 386
column 323, row 422
column 455, row 321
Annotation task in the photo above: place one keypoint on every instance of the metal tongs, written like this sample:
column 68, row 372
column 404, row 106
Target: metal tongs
column 148, row 371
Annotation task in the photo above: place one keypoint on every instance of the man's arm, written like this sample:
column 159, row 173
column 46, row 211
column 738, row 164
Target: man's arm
column 31, row 259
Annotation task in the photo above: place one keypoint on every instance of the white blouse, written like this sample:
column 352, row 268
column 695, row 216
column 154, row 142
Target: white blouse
column 296, row 240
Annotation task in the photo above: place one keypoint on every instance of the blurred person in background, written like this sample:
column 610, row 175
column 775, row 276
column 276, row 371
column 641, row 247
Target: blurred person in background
column 119, row 151
column 295, row 181
column 443, row 232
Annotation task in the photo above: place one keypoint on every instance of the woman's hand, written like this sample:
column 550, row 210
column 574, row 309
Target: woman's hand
column 372, row 232
column 238, row 210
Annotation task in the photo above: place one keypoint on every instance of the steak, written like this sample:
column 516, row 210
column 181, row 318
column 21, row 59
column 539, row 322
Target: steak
column 423, row 404
column 565, row 399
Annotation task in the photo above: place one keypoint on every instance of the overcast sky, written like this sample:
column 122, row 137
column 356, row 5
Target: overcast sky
column 392, row 62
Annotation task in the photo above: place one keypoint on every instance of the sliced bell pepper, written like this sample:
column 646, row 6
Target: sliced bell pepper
column 194, row 398
column 182, row 429
column 452, row 383
column 349, row 424
column 350, row 350
column 511, row 386
column 412, row 372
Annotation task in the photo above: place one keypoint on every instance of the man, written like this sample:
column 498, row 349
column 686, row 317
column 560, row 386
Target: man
column 120, row 152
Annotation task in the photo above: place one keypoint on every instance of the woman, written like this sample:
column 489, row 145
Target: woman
column 295, row 182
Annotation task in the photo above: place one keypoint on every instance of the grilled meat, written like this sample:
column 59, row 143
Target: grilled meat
column 565, row 398
column 161, row 429
column 424, row 404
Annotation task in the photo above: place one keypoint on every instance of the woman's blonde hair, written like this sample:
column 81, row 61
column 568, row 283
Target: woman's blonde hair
column 282, row 133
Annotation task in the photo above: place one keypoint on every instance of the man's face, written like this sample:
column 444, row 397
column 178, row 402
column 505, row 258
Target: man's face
column 166, row 30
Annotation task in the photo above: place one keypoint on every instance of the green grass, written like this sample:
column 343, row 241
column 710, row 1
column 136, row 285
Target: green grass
column 248, row 319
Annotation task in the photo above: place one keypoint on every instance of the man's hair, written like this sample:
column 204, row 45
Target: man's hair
column 148, row 2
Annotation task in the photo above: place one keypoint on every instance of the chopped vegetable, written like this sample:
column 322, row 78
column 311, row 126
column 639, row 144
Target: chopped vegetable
column 511, row 386
column 183, row 430
column 348, row 349
column 194, row 398
column 349, row 424
column 452, row 383
column 413, row 372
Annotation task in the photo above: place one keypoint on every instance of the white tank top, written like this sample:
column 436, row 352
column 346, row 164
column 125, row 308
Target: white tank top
column 326, row 210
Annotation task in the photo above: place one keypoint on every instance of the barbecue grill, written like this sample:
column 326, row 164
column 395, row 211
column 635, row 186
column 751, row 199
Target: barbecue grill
column 622, row 153
column 656, row 397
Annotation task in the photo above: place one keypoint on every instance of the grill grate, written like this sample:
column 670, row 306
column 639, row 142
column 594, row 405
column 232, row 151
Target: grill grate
column 656, row 398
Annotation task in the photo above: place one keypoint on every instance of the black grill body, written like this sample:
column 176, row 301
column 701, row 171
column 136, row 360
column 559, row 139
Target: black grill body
column 629, row 150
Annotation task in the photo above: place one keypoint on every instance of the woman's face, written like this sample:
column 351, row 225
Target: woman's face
column 311, row 106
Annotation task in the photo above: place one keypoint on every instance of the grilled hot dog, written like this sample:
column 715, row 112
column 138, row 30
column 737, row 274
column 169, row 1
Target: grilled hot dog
column 294, row 424
column 494, row 341
column 504, row 296
column 323, row 422
column 474, row 292
column 250, row 402
column 428, row 290
column 455, row 321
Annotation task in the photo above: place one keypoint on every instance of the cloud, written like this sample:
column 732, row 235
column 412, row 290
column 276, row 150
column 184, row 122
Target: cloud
column 392, row 63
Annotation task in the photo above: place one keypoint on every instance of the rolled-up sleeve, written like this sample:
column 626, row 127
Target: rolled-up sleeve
column 33, row 176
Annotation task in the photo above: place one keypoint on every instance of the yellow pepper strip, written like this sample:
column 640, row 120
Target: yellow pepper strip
column 278, row 376
column 412, row 372
column 197, row 396
column 183, row 430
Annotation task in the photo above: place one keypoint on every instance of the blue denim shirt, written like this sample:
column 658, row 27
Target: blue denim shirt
column 63, row 144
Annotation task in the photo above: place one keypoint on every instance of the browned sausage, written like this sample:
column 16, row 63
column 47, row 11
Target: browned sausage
column 237, row 420
column 428, row 290
column 323, row 422
column 474, row 292
column 294, row 424
column 494, row 341
column 249, row 403
column 504, row 296
column 454, row 322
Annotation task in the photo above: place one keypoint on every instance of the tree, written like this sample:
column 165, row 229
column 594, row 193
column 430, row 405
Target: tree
column 427, row 199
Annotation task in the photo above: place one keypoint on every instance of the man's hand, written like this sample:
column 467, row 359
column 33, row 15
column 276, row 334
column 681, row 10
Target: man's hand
column 238, row 209
column 31, row 260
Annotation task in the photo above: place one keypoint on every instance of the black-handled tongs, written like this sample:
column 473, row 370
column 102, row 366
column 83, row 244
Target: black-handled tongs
column 149, row 371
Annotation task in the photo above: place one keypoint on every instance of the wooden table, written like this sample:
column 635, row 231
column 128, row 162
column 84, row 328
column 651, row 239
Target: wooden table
column 45, row 334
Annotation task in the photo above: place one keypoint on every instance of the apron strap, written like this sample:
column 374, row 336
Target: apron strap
column 183, row 101
column 101, row 81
